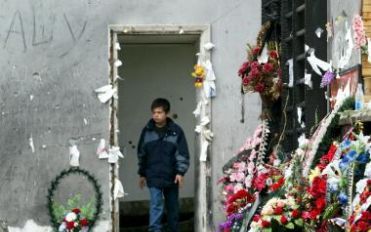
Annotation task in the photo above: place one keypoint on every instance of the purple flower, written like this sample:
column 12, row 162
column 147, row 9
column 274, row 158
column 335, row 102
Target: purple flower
column 327, row 78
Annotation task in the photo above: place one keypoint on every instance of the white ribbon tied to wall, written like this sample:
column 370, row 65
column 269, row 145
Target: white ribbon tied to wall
column 112, row 154
column 74, row 156
column 202, row 129
column 105, row 93
column 209, row 82
column 102, row 150
column 118, row 191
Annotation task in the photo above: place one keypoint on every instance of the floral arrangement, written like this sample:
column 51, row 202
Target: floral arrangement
column 74, row 222
column 261, row 77
column 248, row 176
column 87, row 213
column 360, row 39
column 277, row 213
column 360, row 219
column 199, row 75
column 75, row 217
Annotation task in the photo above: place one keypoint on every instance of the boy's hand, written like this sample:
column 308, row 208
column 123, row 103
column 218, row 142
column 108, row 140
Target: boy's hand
column 142, row 182
column 179, row 180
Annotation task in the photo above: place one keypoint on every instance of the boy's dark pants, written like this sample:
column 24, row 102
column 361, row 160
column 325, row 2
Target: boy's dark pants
column 170, row 194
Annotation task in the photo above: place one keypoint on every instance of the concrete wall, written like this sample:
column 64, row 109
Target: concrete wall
column 152, row 71
column 55, row 53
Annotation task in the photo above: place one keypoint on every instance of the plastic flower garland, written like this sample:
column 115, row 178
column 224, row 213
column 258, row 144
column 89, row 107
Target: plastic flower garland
column 263, row 78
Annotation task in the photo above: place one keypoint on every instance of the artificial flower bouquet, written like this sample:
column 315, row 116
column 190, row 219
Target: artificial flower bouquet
column 74, row 222
column 261, row 77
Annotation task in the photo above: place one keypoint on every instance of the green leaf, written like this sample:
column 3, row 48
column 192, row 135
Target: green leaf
column 299, row 222
column 59, row 211
column 290, row 226
column 267, row 230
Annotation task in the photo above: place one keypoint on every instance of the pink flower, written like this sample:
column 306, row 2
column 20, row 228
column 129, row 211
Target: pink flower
column 237, row 176
column 237, row 188
column 229, row 188
column 240, row 166
column 359, row 32
column 259, row 181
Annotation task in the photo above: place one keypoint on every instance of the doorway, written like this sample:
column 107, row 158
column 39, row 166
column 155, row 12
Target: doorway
column 141, row 84
column 153, row 67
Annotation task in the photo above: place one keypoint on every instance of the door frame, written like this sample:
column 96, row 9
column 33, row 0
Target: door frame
column 203, row 189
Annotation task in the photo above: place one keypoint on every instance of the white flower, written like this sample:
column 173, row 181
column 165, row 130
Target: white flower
column 71, row 217
column 62, row 227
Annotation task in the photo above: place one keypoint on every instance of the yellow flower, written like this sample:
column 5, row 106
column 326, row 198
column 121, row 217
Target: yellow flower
column 199, row 71
column 198, row 84
column 314, row 173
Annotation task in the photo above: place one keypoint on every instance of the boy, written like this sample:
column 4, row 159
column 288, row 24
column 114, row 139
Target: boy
column 163, row 160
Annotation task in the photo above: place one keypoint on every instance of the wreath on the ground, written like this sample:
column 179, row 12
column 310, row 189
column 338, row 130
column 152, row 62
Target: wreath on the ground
column 56, row 223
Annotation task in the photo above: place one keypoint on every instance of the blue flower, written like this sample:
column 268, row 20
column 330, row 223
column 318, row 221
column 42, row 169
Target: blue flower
column 333, row 187
column 363, row 158
column 343, row 198
column 345, row 144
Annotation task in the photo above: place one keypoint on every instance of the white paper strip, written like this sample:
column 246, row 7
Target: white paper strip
column 102, row 150
column 118, row 191
column 114, row 154
column 32, row 146
column 208, row 46
column 318, row 64
column 74, row 156
column 209, row 82
column 105, row 93
column 117, row 46
column 291, row 73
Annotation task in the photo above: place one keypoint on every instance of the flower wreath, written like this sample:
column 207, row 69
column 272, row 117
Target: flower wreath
column 263, row 77
column 89, row 224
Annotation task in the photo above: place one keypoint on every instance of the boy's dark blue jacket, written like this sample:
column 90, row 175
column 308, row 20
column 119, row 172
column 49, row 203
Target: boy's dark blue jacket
column 161, row 158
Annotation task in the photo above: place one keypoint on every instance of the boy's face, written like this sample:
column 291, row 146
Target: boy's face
column 159, row 115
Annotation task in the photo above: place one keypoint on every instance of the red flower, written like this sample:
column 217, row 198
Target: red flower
column 243, row 68
column 326, row 159
column 278, row 210
column 259, row 181
column 76, row 210
column 320, row 203
column 254, row 65
column 84, row 222
column 245, row 81
column 256, row 51
column 70, row 225
column 284, row 220
column 259, row 87
column 273, row 54
column 267, row 68
column 311, row 215
column 278, row 184
column 362, row 226
column 265, row 224
column 295, row 213
column 318, row 188
column 255, row 72
column 256, row 218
